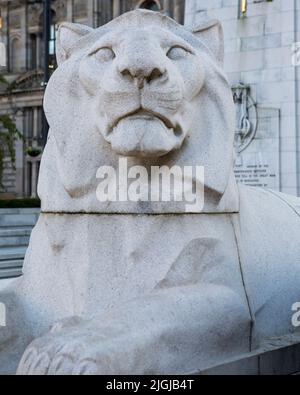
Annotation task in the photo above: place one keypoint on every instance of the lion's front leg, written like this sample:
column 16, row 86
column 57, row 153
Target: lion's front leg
column 175, row 331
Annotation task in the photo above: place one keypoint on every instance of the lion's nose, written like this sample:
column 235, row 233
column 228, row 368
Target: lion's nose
column 142, row 74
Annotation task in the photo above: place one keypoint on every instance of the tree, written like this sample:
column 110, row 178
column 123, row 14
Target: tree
column 9, row 134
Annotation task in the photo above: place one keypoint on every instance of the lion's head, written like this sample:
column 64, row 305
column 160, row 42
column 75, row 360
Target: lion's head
column 143, row 87
column 143, row 83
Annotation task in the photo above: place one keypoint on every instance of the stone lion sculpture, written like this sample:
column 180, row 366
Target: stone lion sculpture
column 118, row 287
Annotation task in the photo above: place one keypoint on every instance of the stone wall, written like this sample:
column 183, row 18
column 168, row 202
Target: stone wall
column 259, row 54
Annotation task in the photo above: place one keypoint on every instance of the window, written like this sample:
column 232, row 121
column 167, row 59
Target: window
column 151, row 5
column 80, row 10
column 52, row 45
column 16, row 55
column 52, row 40
column 1, row 21
column 35, row 51
column 243, row 6
column 33, row 125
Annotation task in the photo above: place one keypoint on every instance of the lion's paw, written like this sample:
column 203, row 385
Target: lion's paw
column 52, row 354
column 72, row 347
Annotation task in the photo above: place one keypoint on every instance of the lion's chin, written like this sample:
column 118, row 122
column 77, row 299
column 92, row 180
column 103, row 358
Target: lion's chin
column 144, row 137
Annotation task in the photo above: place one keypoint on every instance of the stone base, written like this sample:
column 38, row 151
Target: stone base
column 279, row 356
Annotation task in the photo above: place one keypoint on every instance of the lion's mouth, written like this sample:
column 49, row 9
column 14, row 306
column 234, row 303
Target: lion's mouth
column 146, row 115
column 144, row 133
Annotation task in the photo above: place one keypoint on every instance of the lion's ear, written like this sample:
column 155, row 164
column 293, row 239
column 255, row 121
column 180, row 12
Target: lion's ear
column 210, row 32
column 67, row 37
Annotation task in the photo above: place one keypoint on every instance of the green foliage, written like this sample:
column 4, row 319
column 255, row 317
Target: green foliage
column 3, row 80
column 9, row 134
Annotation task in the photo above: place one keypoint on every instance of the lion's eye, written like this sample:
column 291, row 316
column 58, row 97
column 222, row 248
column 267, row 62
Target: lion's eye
column 177, row 53
column 105, row 55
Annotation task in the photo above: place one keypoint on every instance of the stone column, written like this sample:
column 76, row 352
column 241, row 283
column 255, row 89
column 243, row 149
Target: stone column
column 19, row 146
column 3, row 49
column 23, row 39
column 39, row 43
column 34, row 161
column 33, row 178
column 116, row 8
column 70, row 10
column 167, row 7
column 177, row 11
column 35, row 123
column 90, row 12
column 3, row 60
column 6, row 14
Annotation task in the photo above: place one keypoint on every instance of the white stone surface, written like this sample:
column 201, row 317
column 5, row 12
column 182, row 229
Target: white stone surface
column 141, row 292
column 5, row 283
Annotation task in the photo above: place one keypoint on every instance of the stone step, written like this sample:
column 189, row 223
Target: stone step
column 16, row 220
column 12, row 253
column 11, row 272
column 11, row 268
column 25, row 211
column 4, row 283
column 18, row 217
column 14, row 241
column 17, row 263
column 16, row 231
column 15, row 228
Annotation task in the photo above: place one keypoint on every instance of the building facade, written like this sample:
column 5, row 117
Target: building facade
column 22, row 40
column 262, row 60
